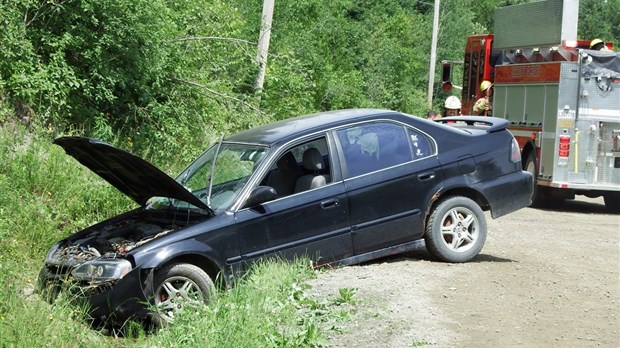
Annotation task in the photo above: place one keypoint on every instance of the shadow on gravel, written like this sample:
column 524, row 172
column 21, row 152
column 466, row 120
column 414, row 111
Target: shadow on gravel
column 574, row 206
column 424, row 255
column 489, row 258
column 421, row 254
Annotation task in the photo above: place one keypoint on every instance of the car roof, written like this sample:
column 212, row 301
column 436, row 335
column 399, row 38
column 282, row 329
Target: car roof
column 285, row 130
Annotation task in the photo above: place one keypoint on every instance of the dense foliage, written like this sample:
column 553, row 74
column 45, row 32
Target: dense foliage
column 165, row 77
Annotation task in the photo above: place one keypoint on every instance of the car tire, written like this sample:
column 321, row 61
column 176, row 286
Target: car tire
column 456, row 230
column 532, row 167
column 178, row 286
column 612, row 202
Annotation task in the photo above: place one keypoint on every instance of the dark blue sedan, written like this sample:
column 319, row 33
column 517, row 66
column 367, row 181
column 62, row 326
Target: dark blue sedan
column 339, row 187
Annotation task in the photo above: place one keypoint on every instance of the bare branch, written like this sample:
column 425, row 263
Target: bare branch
column 199, row 38
column 44, row 9
column 195, row 84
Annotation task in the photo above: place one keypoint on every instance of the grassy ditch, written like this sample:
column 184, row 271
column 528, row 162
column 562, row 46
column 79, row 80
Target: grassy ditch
column 46, row 195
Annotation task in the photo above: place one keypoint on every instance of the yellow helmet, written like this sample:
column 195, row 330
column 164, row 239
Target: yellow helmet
column 452, row 102
column 596, row 44
column 484, row 85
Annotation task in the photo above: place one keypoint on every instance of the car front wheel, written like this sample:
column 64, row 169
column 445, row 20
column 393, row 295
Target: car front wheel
column 179, row 286
column 456, row 230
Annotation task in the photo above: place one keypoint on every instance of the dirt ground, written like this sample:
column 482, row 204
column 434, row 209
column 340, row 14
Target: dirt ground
column 545, row 278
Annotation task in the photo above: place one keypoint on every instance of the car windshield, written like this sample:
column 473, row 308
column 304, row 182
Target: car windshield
column 218, row 185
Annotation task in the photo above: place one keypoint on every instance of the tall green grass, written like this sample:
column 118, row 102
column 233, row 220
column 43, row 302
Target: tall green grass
column 46, row 195
column 268, row 308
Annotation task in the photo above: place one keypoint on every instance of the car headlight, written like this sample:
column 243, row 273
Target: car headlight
column 49, row 258
column 102, row 269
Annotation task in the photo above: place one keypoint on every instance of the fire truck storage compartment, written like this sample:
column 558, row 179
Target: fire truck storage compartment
column 597, row 122
column 564, row 99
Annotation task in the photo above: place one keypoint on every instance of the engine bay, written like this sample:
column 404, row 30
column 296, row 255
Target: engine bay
column 111, row 240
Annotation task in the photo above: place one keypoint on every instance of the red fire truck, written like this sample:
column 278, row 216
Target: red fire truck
column 562, row 101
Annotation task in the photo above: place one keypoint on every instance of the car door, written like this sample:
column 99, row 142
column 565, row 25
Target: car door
column 390, row 173
column 312, row 223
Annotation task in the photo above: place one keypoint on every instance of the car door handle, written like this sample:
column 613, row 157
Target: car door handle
column 330, row 203
column 426, row 176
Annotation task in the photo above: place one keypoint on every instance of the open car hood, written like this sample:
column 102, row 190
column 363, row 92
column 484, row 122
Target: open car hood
column 132, row 175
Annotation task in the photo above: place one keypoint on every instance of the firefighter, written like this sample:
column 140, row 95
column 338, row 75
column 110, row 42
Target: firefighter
column 452, row 106
column 483, row 104
column 599, row 45
column 432, row 115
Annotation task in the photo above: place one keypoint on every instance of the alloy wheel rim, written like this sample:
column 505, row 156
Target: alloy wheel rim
column 459, row 229
column 175, row 294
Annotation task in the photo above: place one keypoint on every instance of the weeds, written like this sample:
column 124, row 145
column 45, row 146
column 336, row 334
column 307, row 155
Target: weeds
column 346, row 296
column 47, row 195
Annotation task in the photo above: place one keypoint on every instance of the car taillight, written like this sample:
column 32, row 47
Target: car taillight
column 563, row 149
column 515, row 153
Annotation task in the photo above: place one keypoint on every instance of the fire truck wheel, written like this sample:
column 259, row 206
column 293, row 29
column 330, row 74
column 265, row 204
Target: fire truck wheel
column 612, row 202
column 456, row 230
column 530, row 166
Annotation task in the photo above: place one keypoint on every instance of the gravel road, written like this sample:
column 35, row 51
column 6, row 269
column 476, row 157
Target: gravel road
column 545, row 278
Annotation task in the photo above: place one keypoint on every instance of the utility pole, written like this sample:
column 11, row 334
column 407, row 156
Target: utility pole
column 431, row 72
column 263, row 44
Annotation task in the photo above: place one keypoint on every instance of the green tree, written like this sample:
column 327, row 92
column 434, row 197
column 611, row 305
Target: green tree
column 153, row 74
column 133, row 71
column 600, row 19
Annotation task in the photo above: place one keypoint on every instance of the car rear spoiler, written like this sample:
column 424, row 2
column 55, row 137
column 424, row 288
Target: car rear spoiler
column 494, row 124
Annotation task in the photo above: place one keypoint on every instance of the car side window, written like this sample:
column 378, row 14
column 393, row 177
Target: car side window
column 374, row 146
column 302, row 167
column 421, row 146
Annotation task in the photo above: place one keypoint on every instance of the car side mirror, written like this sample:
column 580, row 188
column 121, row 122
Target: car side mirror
column 260, row 195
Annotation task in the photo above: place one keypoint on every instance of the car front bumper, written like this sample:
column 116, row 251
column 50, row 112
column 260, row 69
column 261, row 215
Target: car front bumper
column 108, row 303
